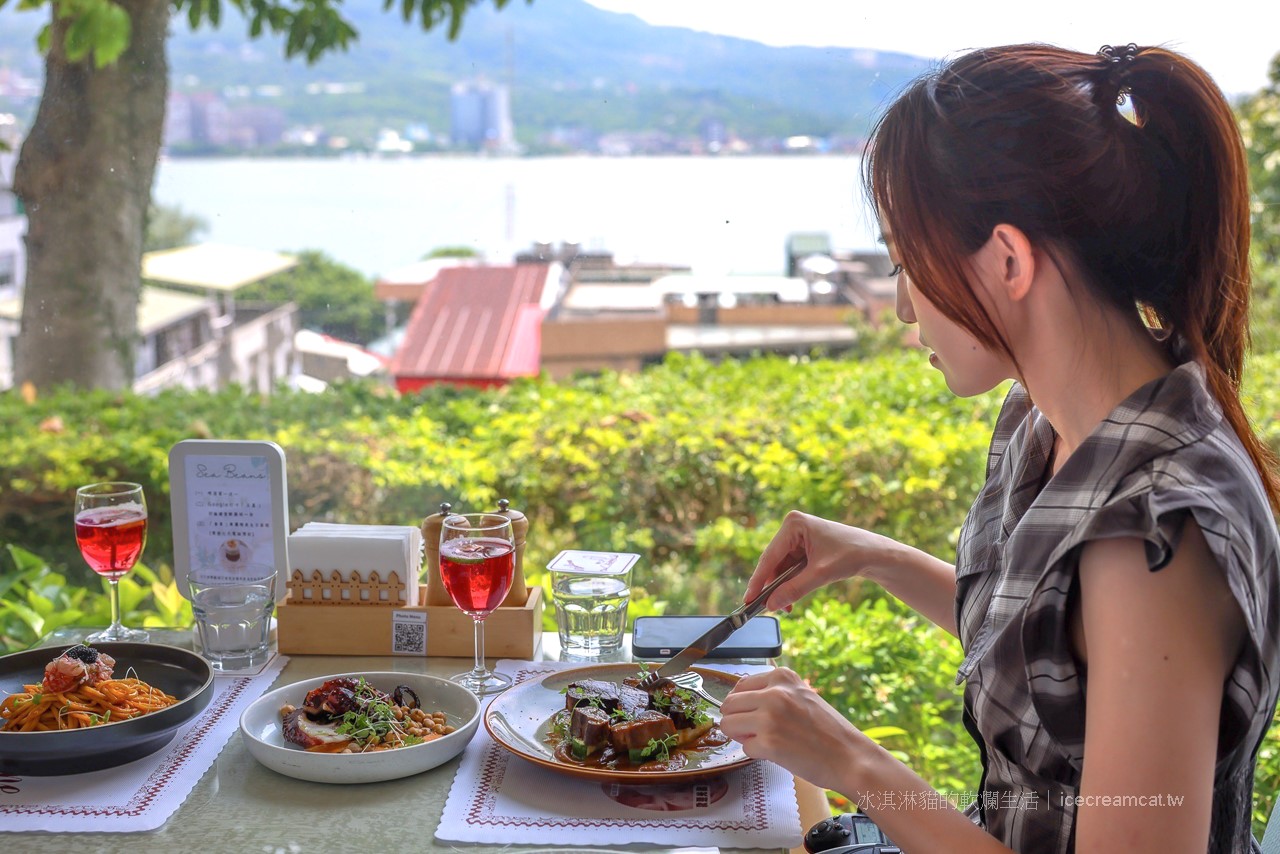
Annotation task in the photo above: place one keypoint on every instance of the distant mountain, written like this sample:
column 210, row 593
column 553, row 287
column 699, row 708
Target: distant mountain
column 569, row 64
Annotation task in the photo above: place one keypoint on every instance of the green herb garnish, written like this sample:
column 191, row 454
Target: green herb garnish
column 560, row 724
column 374, row 719
column 657, row 748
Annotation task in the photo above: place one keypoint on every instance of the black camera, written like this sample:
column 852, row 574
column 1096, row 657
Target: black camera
column 850, row 833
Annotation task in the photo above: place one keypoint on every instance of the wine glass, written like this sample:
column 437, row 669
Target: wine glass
column 111, row 531
column 477, row 561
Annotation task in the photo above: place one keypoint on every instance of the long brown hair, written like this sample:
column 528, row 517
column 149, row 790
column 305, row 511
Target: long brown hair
column 1150, row 210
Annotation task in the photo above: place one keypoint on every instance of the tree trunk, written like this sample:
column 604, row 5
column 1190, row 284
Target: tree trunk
column 84, row 176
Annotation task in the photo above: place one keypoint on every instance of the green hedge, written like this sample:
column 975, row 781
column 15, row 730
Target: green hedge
column 690, row 463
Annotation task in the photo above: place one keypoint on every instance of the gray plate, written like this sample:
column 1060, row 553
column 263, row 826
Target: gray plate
column 175, row 671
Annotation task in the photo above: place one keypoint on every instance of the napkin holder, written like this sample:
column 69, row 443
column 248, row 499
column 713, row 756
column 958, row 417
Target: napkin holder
column 335, row 616
column 307, row 629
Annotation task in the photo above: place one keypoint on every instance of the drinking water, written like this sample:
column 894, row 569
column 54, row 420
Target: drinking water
column 591, row 612
column 234, row 622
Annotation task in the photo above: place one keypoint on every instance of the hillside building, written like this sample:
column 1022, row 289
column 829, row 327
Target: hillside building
column 559, row 311
column 191, row 331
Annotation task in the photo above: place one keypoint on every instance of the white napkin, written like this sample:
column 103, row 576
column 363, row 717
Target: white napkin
column 142, row 794
column 358, row 550
column 497, row 798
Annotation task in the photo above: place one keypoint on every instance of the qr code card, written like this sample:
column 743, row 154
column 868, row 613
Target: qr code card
column 408, row 633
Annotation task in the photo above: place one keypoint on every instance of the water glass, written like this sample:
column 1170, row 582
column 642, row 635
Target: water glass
column 591, row 592
column 234, row 622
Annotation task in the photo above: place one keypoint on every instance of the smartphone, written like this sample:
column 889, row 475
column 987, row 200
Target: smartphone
column 663, row 637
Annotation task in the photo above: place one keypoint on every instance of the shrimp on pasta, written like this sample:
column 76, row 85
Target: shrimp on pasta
column 78, row 690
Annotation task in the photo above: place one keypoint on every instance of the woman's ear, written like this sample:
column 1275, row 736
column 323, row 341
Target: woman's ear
column 1010, row 262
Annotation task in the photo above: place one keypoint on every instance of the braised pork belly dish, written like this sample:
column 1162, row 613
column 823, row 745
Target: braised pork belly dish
column 616, row 725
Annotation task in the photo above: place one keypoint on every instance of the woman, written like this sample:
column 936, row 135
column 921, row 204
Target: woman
column 1116, row 584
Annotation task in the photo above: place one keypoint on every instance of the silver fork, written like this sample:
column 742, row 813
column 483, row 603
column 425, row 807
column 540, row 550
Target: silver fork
column 719, row 632
column 689, row 681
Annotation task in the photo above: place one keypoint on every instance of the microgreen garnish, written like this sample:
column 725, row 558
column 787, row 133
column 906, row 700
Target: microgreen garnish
column 374, row 719
column 560, row 724
column 659, row 748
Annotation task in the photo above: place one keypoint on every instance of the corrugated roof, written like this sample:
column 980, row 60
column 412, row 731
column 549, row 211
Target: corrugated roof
column 213, row 266
column 407, row 283
column 422, row 272
column 475, row 323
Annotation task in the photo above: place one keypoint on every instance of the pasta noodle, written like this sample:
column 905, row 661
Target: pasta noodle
column 40, row 710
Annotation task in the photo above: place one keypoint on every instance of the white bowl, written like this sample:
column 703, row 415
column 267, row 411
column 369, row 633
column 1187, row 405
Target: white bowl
column 261, row 728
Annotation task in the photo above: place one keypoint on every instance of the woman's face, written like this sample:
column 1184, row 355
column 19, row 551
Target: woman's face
column 968, row 367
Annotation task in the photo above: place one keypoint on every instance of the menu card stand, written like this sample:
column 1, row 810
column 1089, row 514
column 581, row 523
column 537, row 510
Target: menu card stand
column 230, row 512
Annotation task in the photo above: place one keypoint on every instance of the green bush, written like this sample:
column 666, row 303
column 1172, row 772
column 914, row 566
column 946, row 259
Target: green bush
column 889, row 670
column 35, row 600
column 692, row 464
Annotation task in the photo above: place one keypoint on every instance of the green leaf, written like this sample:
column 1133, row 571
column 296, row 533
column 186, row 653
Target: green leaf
column 113, row 31
column 879, row 733
column 32, row 619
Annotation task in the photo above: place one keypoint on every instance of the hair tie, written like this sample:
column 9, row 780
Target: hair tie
column 1119, row 62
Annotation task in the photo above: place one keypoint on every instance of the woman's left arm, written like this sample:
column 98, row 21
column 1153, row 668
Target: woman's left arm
column 1159, row 647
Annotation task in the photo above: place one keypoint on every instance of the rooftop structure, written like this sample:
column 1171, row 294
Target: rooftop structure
column 483, row 325
column 212, row 266
column 476, row 326
column 408, row 282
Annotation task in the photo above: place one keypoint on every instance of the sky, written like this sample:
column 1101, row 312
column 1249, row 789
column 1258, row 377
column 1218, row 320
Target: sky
column 1234, row 40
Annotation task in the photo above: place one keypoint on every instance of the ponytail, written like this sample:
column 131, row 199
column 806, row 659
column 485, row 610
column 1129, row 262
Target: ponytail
column 1184, row 116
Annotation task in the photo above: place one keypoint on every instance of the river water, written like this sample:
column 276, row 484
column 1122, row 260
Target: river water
column 716, row 214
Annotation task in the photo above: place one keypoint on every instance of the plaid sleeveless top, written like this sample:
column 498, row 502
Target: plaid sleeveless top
column 1164, row 453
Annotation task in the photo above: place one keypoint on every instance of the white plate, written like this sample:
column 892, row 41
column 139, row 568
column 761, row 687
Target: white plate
column 261, row 728
column 518, row 719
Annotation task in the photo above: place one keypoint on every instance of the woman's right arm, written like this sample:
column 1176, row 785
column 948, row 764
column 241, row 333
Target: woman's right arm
column 835, row 551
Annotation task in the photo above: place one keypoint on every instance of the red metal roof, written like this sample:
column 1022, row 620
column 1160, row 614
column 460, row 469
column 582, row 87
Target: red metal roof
column 474, row 324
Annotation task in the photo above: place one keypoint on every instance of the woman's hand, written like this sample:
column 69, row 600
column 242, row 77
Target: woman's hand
column 777, row 716
column 833, row 551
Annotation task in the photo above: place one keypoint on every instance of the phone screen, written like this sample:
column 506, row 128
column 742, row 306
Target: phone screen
column 665, row 636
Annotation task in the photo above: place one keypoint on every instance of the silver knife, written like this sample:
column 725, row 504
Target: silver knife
column 719, row 633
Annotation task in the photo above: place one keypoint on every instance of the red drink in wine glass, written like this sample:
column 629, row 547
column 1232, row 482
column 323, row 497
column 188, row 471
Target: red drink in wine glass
column 111, row 530
column 112, row 538
column 477, row 572
column 477, row 562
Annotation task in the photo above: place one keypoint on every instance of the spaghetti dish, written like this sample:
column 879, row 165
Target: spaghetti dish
column 78, row 691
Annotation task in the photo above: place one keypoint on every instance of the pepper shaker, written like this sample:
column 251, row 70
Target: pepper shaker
column 519, row 591
column 435, row 593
